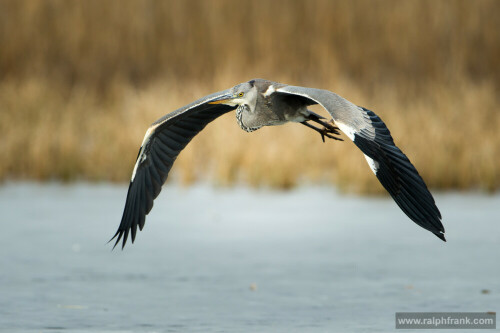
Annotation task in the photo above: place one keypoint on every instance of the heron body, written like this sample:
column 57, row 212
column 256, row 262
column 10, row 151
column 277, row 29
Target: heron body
column 261, row 103
column 260, row 106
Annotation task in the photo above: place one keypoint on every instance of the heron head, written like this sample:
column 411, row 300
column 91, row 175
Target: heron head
column 242, row 94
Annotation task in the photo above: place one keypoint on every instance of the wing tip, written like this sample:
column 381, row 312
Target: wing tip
column 440, row 235
column 118, row 233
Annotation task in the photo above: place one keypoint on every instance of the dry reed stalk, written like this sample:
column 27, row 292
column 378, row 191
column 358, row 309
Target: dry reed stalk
column 80, row 81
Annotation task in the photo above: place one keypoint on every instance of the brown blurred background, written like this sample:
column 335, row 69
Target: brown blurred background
column 80, row 81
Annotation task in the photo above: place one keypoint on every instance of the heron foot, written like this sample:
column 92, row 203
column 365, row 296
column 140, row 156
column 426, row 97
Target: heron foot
column 327, row 130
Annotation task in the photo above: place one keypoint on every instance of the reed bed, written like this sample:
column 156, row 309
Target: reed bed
column 80, row 81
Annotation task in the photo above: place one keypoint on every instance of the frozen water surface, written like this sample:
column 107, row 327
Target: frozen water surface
column 238, row 260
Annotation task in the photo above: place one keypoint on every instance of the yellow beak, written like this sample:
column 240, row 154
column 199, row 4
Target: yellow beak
column 221, row 99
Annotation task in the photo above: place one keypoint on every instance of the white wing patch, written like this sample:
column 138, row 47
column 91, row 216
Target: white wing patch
column 142, row 156
column 135, row 169
column 150, row 131
column 373, row 164
column 349, row 131
column 269, row 91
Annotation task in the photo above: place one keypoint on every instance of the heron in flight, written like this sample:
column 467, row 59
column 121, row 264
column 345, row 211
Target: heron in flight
column 261, row 103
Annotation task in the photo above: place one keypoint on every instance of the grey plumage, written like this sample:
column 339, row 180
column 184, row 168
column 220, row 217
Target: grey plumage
column 261, row 103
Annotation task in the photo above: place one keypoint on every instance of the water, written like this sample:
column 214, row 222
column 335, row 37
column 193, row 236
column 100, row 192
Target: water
column 238, row 260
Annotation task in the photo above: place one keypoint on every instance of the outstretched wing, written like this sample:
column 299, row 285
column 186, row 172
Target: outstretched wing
column 392, row 168
column 162, row 143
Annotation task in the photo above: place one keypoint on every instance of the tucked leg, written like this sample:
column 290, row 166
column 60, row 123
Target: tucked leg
column 325, row 131
column 327, row 125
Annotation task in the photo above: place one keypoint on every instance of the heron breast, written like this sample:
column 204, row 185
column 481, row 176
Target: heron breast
column 239, row 118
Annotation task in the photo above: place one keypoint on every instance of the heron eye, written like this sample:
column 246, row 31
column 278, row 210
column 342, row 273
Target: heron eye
column 240, row 94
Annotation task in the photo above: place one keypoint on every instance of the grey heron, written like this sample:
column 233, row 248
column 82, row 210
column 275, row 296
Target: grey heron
column 261, row 103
